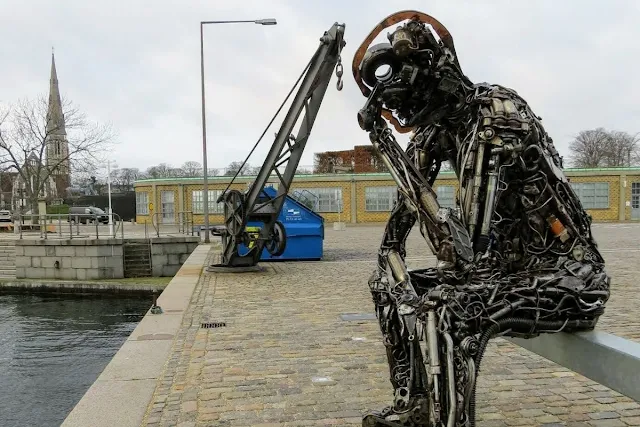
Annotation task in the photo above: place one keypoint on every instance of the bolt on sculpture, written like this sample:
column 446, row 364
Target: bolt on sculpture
column 516, row 257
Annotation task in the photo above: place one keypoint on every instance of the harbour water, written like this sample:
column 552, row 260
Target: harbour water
column 53, row 348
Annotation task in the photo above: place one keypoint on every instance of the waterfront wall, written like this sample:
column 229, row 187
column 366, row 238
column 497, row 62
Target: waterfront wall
column 121, row 394
column 168, row 255
column 94, row 259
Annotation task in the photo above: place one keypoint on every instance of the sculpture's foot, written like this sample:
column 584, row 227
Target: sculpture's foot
column 416, row 417
column 378, row 419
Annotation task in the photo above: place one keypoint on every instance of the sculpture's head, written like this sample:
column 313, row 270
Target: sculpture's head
column 413, row 76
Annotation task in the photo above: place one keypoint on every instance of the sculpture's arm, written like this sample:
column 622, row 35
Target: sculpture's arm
column 445, row 234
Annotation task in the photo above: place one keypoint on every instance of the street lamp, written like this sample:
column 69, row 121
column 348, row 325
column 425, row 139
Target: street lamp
column 268, row 21
column 109, row 192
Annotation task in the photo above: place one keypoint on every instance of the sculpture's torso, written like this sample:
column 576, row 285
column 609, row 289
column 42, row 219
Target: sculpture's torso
column 530, row 201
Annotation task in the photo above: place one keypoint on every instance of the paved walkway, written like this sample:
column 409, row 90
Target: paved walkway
column 286, row 358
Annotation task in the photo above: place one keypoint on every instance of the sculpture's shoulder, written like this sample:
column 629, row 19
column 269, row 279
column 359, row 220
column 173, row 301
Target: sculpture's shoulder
column 502, row 108
column 484, row 93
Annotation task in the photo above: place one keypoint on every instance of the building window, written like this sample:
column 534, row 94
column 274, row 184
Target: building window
column 379, row 199
column 326, row 199
column 197, row 202
column 446, row 196
column 142, row 203
column 592, row 195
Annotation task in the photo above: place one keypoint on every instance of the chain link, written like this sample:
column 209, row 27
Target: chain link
column 339, row 70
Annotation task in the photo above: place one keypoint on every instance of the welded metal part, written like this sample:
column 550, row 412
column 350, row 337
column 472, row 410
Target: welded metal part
column 285, row 153
column 516, row 257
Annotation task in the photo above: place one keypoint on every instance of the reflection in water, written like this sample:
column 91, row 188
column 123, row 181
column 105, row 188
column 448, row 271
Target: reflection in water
column 53, row 348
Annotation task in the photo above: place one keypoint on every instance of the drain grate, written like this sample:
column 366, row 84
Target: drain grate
column 211, row 325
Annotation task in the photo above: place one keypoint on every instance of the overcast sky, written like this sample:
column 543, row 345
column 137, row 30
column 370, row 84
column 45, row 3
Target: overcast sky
column 136, row 65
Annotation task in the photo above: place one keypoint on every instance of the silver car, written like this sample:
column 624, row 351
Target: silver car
column 5, row 216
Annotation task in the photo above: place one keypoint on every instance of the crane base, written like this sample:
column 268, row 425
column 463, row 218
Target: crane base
column 222, row 268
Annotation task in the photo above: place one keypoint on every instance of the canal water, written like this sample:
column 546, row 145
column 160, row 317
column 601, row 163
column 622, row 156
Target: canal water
column 53, row 348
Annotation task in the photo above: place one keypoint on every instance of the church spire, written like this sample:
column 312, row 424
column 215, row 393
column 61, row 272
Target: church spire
column 57, row 146
column 55, row 116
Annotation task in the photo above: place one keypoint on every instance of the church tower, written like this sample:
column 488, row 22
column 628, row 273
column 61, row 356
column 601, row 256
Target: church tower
column 57, row 146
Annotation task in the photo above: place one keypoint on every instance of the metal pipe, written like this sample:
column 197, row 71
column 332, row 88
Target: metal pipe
column 471, row 366
column 397, row 267
column 492, row 185
column 204, row 140
column 109, row 192
column 434, row 357
column 473, row 220
column 451, row 382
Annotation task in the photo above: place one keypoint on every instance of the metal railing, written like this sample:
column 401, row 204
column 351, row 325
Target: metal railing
column 40, row 223
column 306, row 198
column 602, row 357
column 183, row 224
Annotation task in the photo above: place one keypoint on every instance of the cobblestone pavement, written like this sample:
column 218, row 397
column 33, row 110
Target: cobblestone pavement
column 285, row 357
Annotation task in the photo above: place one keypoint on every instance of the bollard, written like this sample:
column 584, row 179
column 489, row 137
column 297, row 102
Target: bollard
column 155, row 308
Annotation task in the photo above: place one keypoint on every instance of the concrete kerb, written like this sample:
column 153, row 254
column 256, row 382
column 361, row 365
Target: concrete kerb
column 121, row 394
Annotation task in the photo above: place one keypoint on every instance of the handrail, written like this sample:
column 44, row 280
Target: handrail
column 602, row 357
column 300, row 196
column 42, row 220
column 182, row 223
column 185, row 223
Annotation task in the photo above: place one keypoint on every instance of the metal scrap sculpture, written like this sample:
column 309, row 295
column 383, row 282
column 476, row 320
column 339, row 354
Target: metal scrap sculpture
column 515, row 258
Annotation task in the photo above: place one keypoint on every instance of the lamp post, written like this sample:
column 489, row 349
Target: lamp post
column 205, row 198
column 109, row 192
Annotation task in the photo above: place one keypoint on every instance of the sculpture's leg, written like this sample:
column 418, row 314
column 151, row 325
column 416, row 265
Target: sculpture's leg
column 396, row 304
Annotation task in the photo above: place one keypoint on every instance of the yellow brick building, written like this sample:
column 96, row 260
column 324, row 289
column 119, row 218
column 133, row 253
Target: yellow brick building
column 611, row 194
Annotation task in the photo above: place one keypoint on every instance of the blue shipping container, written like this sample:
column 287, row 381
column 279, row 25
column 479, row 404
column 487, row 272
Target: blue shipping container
column 304, row 231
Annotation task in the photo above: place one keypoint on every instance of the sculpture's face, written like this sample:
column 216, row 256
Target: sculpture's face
column 414, row 74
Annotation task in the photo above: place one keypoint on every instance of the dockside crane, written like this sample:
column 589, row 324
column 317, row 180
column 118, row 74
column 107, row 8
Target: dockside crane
column 254, row 204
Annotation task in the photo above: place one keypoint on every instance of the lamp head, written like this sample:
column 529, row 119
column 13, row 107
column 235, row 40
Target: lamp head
column 268, row 21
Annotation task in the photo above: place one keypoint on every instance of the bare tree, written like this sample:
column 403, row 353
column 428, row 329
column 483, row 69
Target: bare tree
column 600, row 148
column 235, row 166
column 26, row 131
column 162, row 170
column 213, row 172
column 304, row 171
column 622, row 149
column 124, row 178
column 191, row 169
column 589, row 148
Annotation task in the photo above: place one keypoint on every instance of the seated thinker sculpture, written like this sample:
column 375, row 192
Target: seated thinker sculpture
column 516, row 257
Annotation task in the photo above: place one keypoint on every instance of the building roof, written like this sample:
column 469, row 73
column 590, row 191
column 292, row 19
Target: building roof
column 371, row 176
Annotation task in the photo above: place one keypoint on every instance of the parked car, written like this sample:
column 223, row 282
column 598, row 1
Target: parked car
column 5, row 216
column 87, row 214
